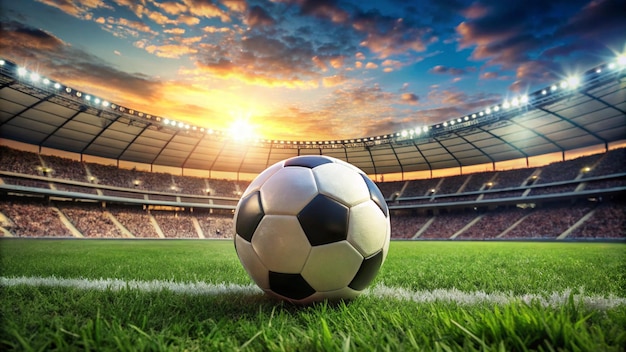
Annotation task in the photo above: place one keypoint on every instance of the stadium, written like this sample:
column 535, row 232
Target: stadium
column 508, row 223
column 578, row 195
column 578, row 198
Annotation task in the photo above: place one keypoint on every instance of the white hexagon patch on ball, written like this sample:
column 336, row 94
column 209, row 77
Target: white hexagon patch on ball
column 312, row 228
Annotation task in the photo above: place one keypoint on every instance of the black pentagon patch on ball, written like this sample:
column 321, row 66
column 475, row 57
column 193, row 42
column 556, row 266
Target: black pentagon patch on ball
column 309, row 161
column 367, row 272
column 292, row 286
column 324, row 220
column 376, row 195
column 249, row 215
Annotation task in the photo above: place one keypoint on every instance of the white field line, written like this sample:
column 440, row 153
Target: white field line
column 382, row 291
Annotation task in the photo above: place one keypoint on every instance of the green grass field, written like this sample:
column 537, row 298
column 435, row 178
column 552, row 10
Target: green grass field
column 506, row 296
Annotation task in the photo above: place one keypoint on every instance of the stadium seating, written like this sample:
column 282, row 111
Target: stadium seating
column 438, row 208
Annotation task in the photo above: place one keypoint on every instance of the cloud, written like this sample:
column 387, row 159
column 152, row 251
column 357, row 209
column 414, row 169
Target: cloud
column 175, row 31
column 170, row 51
column 409, row 98
column 451, row 103
column 258, row 17
column 207, row 9
column 510, row 34
column 440, row 69
column 324, row 9
column 387, row 36
column 18, row 38
column 78, row 9
column 530, row 73
column 332, row 81
column 171, row 7
column 235, row 5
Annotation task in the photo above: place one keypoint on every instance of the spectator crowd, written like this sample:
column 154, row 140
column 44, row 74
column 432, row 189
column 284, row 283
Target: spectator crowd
column 23, row 216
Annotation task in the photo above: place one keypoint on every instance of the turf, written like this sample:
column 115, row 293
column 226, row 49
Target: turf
column 74, row 318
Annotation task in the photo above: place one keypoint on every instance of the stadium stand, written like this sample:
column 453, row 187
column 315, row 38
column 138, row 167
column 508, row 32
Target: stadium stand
column 580, row 198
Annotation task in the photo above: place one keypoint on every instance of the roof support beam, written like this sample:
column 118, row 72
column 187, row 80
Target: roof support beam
column 133, row 140
column 182, row 166
column 104, row 128
column 82, row 109
column 451, row 154
column 243, row 160
column 26, row 109
column 475, row 147
column 162, row 149
column 573, row 123
column 604, row 102
column 505, row 142
column 539, row 135
column 430, row 168
column 372, row 159
column 397, row 158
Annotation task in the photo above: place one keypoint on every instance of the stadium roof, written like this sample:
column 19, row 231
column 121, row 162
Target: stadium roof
column 574, row 113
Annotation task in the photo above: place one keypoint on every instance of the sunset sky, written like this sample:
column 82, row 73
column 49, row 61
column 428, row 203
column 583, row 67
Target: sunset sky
column 310, row 69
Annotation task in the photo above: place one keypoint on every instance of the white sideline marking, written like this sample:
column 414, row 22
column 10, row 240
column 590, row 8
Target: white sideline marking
column 554, row 299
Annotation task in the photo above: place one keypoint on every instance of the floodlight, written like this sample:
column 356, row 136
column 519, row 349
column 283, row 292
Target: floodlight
column 34, row 77
column 621, row 60
column 573, row 81
column 21, row 71
column 57, row 85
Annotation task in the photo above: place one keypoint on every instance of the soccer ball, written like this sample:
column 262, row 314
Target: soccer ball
column 312, row 228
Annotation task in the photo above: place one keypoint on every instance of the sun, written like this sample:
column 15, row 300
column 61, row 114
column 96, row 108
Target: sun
column 242, row 130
